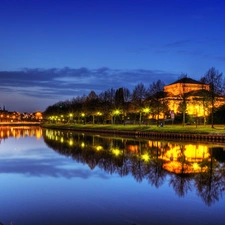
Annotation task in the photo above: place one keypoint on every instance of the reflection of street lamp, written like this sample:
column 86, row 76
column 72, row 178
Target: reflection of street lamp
column 145, row 157
column 116, row 151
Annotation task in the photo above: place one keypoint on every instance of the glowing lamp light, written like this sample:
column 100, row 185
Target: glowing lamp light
column 145, row 157
column 146, row 110
column 82, row 145
column 196, row 166
column 98, row 148
column 116, row 152
column 117, row 112
column 70, row 142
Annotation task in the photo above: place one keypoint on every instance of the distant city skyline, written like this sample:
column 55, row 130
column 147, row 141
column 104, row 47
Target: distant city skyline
column 57, row 50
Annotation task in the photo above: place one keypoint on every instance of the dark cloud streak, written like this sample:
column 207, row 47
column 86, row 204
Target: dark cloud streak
column 61, row 84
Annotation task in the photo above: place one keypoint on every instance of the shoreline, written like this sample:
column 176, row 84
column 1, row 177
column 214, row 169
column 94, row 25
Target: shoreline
column 192, row 134
column 20, row 123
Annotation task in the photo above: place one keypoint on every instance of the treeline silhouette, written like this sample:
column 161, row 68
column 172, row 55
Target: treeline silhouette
column 123, row 106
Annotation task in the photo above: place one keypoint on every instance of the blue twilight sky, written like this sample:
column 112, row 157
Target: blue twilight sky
column 52, row 50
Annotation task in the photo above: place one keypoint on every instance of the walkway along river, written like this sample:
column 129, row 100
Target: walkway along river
column 189, row 136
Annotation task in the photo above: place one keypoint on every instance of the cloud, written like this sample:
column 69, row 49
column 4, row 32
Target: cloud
column 52, row 85
column 46, row 167
column 177, row 43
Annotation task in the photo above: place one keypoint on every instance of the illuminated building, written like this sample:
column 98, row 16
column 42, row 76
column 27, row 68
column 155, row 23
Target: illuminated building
column 193, row 93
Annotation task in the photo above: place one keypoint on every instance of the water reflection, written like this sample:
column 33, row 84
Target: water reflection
column 20, row 131
column 197, row 167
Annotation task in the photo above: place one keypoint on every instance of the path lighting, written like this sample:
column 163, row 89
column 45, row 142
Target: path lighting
column 196, row 110
column 116, row 113
column 146, row 110
column 70, row 117
column 196, row 166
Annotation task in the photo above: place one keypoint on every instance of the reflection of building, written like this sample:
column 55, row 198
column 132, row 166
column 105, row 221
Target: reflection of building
column 185, row 158
column 193, row 93
column 173, row 157
column 18, row 132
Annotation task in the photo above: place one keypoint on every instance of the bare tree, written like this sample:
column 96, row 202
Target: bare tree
column 156, row 96
column 214, row 78
column 138, row 97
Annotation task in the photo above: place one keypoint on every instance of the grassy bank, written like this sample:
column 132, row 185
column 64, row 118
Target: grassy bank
column 191, row 129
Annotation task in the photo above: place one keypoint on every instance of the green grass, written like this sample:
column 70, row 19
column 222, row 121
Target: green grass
column 200, row 129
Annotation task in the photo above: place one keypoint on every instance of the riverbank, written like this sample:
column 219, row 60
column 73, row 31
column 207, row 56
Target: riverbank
column 190, row 132
column 20, row 123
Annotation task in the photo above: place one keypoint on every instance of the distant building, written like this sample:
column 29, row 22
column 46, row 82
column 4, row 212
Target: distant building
column 193, row 91
column 6, row 116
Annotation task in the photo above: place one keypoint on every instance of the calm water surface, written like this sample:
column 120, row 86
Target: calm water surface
column 54, row 177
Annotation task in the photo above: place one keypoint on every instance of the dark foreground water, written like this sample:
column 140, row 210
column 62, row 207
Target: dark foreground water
column 74, row 178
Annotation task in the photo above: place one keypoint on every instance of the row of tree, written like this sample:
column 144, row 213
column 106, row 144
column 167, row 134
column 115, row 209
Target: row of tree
column 122, row 105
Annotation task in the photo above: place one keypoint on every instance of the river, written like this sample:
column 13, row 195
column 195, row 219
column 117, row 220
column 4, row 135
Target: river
column 64, row 177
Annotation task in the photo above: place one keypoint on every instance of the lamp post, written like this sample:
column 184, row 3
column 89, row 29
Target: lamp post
column 99, row 114
column 83, row 118
column 71, row 117
column 146, row 111
column 116, row 113
column 196, row 109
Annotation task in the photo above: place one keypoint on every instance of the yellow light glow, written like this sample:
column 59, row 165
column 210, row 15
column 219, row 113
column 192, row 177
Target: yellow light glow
column 196, row 166
column 70, row 142
column 116, row 112
column 116, row 152
column 146, row 110
column 145, row 157
column 82, row 145
column 99, row 148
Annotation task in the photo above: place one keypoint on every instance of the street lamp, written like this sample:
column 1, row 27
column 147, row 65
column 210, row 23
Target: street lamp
column 83, row 117
column 71, row 117
column 146, row 110
column 196, row 110
column 116, row 113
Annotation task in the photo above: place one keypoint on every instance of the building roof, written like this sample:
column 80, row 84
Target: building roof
column 186, row 80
